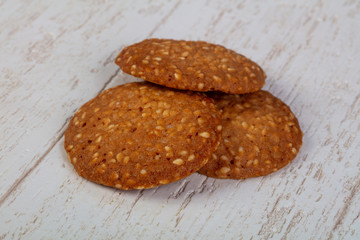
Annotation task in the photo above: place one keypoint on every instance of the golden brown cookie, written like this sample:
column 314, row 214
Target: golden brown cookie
column 140, row 135
column 260, row 135
column 192, row 65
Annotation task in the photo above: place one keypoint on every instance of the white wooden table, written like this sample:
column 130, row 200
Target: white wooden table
column 56, row 55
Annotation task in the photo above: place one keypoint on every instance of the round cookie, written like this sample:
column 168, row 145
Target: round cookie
column 140, row 135
column 260, row 135
column 191, row 65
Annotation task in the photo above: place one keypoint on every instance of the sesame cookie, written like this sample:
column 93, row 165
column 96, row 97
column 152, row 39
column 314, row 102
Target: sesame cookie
column 192, row 65
column 140, row 135
column 260, row 135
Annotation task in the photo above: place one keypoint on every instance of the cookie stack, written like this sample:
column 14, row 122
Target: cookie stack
column 145, row 134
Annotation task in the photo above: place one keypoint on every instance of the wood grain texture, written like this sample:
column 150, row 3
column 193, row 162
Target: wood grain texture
column 58, row 54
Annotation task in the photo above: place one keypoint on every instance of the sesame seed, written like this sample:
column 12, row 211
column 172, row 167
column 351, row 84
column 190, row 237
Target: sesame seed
column 204, row 134
column 143, row 171
column 179, row 127
column 263, row 132
column 191, row 157
column 178, row 161
column 224, row 158
column 126, row 159
column 286, row 128
column 114, row 175
column 250, row 136
column 241, row 149
column 248, row 163
column 78, row 135
column 119, row 156
column 200, row 75
column 156, row 71
column 160, row 122
column 184, row 153
column 177, row 76
column 216, row 78
column 197, row 112
column 166, row 105
column 185, row 54
column 106, row 120
column 296, row 129
column 225, row 170
column 272, row 124
column 131, row 181
column 237, row 170
column 192, row 130
column 93, row 161
column 166, row 113
column 98, row 139
column 159, row 128
column 147, row 105
column 164, row 181
column 200, row 86
column 290, row 123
